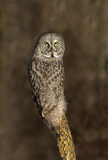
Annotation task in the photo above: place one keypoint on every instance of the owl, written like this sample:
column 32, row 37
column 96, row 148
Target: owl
column 46, row 76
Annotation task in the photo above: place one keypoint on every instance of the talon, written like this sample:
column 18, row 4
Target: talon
column 43, row 115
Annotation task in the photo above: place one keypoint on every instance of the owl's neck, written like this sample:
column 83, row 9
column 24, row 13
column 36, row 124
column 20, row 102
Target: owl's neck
column 49, row 60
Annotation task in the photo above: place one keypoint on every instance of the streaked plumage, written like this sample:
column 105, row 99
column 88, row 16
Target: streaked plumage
column 46, row 75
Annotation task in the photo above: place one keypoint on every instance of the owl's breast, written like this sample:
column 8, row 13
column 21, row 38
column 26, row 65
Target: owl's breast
column 48, row 75
column 52, row 76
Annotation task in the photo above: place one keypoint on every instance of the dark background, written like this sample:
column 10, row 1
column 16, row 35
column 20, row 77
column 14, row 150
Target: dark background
column 84, row 26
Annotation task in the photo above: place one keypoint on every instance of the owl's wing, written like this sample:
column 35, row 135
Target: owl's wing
column 33, row 79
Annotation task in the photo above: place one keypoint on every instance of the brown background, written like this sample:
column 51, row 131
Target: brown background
column 84, row 26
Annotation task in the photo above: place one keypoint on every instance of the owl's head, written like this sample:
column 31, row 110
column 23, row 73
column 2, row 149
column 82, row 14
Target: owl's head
column 50, row 46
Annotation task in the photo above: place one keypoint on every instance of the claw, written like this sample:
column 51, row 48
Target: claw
column 43, row 115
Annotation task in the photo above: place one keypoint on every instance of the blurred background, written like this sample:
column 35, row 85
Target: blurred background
column 84, row 26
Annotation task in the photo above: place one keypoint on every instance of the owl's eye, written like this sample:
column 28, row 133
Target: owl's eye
column 46, row 44
column 55, row 44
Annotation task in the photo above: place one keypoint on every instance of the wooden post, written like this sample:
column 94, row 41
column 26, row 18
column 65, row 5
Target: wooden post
column 65, row 141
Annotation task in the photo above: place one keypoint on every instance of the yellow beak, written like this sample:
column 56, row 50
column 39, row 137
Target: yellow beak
column 51, row 50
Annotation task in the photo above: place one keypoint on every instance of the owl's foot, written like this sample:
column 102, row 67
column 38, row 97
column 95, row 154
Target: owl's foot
column 43, row 116
column 45, row 111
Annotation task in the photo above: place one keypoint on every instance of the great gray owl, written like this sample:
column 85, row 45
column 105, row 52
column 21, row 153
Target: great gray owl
column 46, row 75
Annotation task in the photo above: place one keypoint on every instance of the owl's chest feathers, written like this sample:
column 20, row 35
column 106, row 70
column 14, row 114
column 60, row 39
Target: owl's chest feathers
column 49, row 74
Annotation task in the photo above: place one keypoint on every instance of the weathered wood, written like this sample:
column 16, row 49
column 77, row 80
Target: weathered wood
column 65, row 141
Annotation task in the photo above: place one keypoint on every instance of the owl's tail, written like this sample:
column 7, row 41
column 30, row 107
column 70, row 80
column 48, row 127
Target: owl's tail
column 64, row 140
